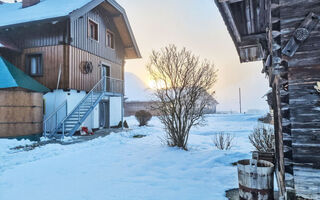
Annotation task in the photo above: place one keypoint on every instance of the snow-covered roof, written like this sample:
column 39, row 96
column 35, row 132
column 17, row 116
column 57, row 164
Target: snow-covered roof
column 13, row 13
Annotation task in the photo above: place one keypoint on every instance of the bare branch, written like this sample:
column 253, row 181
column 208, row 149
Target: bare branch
column 187, row 89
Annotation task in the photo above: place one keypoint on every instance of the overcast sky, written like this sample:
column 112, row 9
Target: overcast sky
column 198, row 26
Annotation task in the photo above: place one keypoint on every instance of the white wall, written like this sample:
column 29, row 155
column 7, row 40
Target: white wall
column 115, row 110
column 54, row 99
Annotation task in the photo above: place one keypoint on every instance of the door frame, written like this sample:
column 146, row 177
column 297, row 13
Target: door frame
column 105, row 121
column 106, row 67
column 105, row 64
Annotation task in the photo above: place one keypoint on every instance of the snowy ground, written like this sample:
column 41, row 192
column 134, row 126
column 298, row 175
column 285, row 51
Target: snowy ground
column 120, row 167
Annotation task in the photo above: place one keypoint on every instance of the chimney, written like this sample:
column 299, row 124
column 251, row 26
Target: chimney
column 27, row 3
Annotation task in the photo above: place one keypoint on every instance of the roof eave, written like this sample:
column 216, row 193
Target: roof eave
column 238, row 40
column 48, row 20
column 125, row 17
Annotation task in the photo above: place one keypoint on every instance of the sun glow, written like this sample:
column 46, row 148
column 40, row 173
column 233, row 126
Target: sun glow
column 157, row 84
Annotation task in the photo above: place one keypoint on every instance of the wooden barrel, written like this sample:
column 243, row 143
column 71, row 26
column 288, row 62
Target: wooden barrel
column 21, row 113
column 267, row 156
column 255, row 180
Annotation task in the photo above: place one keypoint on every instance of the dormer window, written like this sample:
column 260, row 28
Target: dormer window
column 110, row 39
column 93, row 30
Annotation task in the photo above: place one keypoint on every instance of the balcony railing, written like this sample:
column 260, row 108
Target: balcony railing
column 113, row 85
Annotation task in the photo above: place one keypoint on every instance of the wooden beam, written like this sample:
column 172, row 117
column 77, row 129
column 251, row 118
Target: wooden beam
column 254, row 37
column 249, row 16
column 230, row 1
column 226, row 8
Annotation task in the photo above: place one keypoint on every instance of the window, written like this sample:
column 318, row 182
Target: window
column 34, row 64
column 110, row 39
column 93, row 30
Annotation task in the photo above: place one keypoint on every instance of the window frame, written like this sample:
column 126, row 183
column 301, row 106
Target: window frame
column 89, row 30
column 28, row 64
column 113, row 45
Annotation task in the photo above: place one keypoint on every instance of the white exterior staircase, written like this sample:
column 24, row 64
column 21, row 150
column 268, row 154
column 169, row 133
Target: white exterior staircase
column 71, row 123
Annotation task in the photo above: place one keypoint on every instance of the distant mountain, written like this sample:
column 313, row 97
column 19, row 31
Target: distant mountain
column 135, row 89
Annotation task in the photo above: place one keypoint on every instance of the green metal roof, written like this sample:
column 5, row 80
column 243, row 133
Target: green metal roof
column 12, row 77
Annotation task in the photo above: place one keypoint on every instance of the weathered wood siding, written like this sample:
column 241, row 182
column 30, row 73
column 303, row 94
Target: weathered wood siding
column 303, row 126
column 272, row 23
column 80, row 81
column 252, row 14
column 80, row 39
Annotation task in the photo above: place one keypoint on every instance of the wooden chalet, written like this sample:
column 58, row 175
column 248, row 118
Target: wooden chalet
column 285, row 36
column 71, row 47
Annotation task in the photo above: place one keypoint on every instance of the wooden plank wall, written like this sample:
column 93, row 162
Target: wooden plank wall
column 251, row 14
column 304, row 102
column 71, row 60
column 40, row 36
column 80, row 81
column 21, row 113
column 80, row 39
column 53, row 57
column 36, row 35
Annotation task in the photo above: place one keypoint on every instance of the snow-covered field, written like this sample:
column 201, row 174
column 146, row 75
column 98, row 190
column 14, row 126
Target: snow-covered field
column 120, row 167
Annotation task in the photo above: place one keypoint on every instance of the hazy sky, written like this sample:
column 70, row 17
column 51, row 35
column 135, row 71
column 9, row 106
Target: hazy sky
column 198, row 26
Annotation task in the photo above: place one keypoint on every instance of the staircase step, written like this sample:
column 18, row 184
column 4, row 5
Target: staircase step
column 71, row 122
column 85, row 106
column 88, row 104
column 74, row 118
column 77, row 113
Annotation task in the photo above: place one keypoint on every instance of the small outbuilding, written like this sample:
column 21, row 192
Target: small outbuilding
column 21, row 102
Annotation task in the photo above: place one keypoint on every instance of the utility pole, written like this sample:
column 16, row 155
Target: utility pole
column 240, row 100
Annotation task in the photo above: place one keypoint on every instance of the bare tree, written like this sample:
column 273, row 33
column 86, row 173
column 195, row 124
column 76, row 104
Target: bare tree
column 182, row 93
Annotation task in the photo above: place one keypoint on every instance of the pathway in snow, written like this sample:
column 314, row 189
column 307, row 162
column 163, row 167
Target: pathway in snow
column 119, row 167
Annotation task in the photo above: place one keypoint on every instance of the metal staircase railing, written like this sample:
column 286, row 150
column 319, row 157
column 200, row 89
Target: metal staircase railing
column 71, row 123
column 52, row 121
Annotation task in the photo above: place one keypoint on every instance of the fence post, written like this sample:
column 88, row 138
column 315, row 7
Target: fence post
column 122, row 110
column 56, row 116
column 92, row 98
column 45, row 129
column 63, row 130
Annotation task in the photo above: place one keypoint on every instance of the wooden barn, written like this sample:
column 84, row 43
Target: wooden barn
column 285, row 36
column 77, row 49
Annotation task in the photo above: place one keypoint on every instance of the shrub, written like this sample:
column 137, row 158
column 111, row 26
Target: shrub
column 223, row 141
column 263, row 139
column 143, row 117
